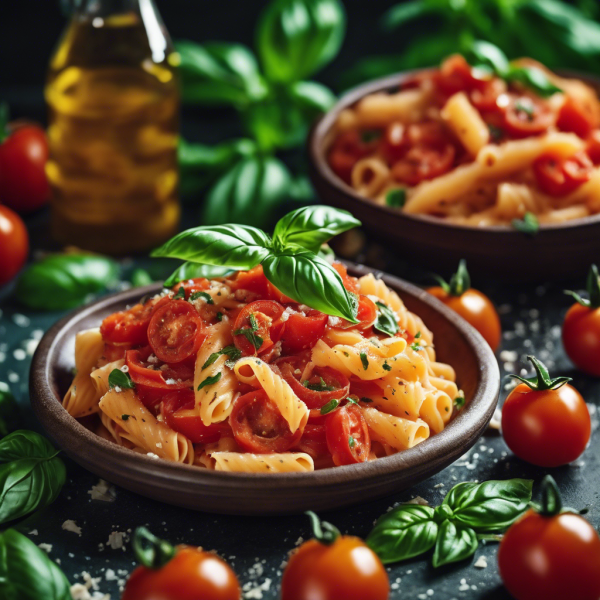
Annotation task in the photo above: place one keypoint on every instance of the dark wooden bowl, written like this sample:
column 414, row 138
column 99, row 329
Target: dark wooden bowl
column 258, row 494
column 557, row 251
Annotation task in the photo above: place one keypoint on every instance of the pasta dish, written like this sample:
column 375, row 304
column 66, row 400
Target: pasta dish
column 475, row 146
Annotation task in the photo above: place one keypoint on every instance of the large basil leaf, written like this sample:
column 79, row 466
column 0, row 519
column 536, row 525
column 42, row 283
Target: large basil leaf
column 533, row 78
column 64, row 281
column 194, row 270
column 489, row 506
column 404, row 532
column 222, row 245
column 26, row 572
column 219, row 73
column 297, row 37
column 455, row 542
column 312, row 226
column 32, row 479
column 401, row 14
column 248, row 193
column 387, row 321
column 486, row 55
column 308, row 279
column 312, row 97
column 10, row 417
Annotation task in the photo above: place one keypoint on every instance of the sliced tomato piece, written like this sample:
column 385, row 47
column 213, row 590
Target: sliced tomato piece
column 350, row 283
column 457, row 75
column 593, row 147
column 485, row 99
column 259, row 427
column 348, row 436
column 190, row 286
column 176, row 331
column 275, row 294
column 313, row 441
column 348, row 148
column 395, row 142
column 423, row 162
column 262, row 325
column 252, row 281
column 114, row 352
column 525, row 116
column 173, row 409
column 577, row 117
column 303, row 330
column 366, row 315
column 558, row 176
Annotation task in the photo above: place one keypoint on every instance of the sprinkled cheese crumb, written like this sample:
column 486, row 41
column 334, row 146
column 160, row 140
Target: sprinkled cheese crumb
column 103, row 491
column 117, row 389
column 158, row 444
column 170, row 381
column 116, row 540
column 333, row 321
column 47, row 548
column 33, row 532
column 152, row 455
column 70, row 525
column 152, row 359
column 481, row 563
column 418, row 500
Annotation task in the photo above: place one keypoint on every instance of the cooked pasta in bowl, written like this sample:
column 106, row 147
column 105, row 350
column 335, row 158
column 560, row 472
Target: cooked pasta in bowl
column 508, row 148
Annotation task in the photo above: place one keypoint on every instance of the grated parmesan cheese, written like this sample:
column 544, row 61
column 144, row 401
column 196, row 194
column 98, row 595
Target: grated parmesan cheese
column 70, row 525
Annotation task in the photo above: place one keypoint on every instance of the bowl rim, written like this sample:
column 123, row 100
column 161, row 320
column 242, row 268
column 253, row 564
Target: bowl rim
column 318, row 161
column 468, row 425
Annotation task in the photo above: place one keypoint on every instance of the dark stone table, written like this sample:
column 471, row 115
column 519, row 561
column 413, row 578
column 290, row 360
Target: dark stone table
column 257, row 548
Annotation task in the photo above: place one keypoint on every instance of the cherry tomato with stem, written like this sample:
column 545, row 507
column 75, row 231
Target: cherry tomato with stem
column 545, row 421
column 473, row 306
column 558, row 175
column 348, row 436
column 181, row 573
column 334, row 567
column 14, row 244
column 581, row 327
column 551, row 554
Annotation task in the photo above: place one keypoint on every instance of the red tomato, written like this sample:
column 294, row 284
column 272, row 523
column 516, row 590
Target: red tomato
column 553, row 558
column 366, row 314
column 303, row 330
column 394, row 142
column 14, row 244
column 253, row 281
column 343, row 568
column 191, row 574
column 547, row 428
column 350, row 283
column 346, row 151
column 131, row 326
column 313, row 441
column 190, row 286
column 456, row 75
column 486, row 99
column 527, row 115
column 262, row 318
column 593, row 147
column 578, row 117
column 259, row 427
column 348, row 437
column 558, row 176
column 23, row 182
column 175, row 331
column 173, row 406
column 114, row 352
column 423, row 162
column 581, row 338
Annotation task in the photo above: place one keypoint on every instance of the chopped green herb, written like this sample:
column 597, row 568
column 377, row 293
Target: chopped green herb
column 119, row 379
column 207, row 297
column 370, row 135
column 364, row 360
column 365, row 399
column 417, row 335
column 124, row 417
column 415, row 347
column 346, row 354
column 321, row 386
column 351, row 442
column 180, row 295
column 330, row 406
column 386, row 322
column 254, row 339
column 231, row 351
column 210, row 380
column 351, row 401
column 386, row 367
column 495, row 132
column 524, row 105
column 253, row 323
column 396, row 198
column 528, row 224
column 219, row 316
column 459, row 402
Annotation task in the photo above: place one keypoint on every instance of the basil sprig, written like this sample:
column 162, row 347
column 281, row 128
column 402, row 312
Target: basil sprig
column 26, row 572
column 62, row 281
column 10, row 416
column 469, row 512
column 386, row 322
column 31, row 475
column 121, row 380
column 296, row 270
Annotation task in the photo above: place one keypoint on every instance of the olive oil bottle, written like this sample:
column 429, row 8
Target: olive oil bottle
column 113, row 98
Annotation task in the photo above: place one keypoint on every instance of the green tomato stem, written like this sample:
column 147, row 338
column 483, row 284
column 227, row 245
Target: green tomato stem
column 323, row 532
column 551, row 499
column 542, row 380
column 150, row 551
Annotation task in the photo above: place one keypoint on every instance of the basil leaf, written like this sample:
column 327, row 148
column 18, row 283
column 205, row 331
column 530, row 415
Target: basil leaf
column 219, row 73
column 326, row 253
column 140, row 278
column 488, row 56
column 10, row 416
column 64, row 281
column 204, row 295
column 190, row 270
column 311, row 97
column 297, row 37
column 386, row 322
column 210, row 381
column 454, row 542
column 26, row 572
column 489, row 506
column 229, row 245
column 406, row 531
column 529, row 224
column 121, row 380
column 32, row 479
column 534, row 79
column 313, row 226
column 308, row 279
column 400, row 14
column 248, row 193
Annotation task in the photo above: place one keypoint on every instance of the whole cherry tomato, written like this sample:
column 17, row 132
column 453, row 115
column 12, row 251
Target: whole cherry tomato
column 334, row 567
column 182, row 573
column 559, row 176
column 545, row 421
column 473, row 306
column 551, row 555
column 581, row 328
column 23, row 155
column 14, row 244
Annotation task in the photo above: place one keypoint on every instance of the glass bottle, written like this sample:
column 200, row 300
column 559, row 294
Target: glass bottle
column 113, row 99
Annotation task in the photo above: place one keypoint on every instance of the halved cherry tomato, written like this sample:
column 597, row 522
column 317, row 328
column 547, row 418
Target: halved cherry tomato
column 262, row 319
column 253, row 281
column 559, row 176
column 394, row 142
column 175, row 331
column 593, row 146
column 131, row 326
column 350, row 283
column 174, row 405
column 324, row 385
column 313, row 440
column 526, row 115
column 485, row 99
column 422, row 162
column 190, row 286
column 303, row 330
column 114, row 352
column 578, row 117
column 348, row 436
column 14, row 244
column 456, row 75
column 259, row 427
column 347, row 150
